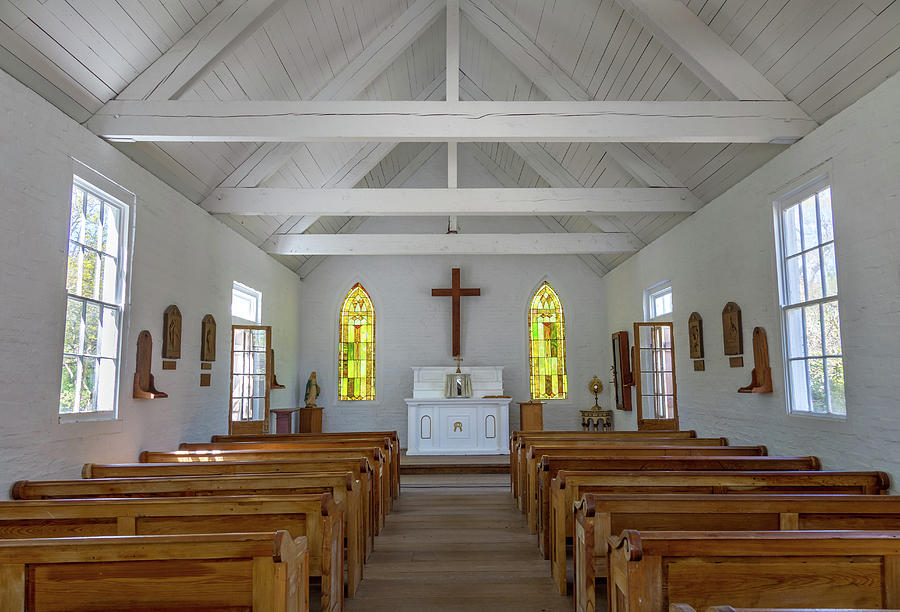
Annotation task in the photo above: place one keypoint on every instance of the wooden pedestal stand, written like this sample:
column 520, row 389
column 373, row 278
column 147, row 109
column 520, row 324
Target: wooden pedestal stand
column 531, row 415
column 311, row 419
column 284, row 420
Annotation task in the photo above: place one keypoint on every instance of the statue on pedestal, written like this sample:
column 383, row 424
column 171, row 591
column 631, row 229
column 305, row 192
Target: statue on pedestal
column 312, row 391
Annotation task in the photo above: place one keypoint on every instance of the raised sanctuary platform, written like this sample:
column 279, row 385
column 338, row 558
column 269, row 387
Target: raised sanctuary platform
column 454, row 464
column 476, row 425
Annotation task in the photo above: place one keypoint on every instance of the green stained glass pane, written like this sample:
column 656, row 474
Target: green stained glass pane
column 357, row 346
column 547, row 346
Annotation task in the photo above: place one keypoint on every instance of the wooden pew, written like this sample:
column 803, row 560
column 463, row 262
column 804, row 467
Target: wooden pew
column 343, row 435
column 341, row 485
column 551, row 466
column 687, row 608
column 262, row 572
column 526, row 442
column 648, row 570
column 534, row 473
column 599, row 517
column 568, row 487
column 299, row 515
column 361, row 470
column 373, row 455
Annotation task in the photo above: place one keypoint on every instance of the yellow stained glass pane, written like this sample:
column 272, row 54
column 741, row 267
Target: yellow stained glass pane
column 356, row 361
column 547, row 345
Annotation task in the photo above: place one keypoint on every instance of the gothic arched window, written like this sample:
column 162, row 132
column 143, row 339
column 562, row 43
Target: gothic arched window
column 356, row 361
column 547, row 345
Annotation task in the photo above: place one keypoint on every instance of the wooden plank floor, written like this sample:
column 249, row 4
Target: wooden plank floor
column 455, row 543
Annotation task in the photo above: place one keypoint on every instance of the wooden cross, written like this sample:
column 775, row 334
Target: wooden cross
column 455, row 292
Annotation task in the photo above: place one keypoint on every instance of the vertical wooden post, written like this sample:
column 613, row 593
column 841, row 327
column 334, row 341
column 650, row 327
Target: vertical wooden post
column 12, row 587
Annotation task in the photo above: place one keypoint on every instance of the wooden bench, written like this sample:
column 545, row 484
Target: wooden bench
column 374, row 456
column 599, row 517
column 340, row 485
column 536, row 453
column 262, row 572
column 551, row 466
column 648, row 570
column 361, row 470
column 568, row 487
column 525, row 445
column 345, row 435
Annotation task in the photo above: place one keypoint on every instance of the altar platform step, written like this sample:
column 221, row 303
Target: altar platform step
column 454, row 464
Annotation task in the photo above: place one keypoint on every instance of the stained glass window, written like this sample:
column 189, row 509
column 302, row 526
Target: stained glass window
column 356, row 363
column 547, row 345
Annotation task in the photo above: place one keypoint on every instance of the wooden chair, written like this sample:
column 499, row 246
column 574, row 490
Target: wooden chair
column 339, row 485
column 568, row 487
column 262, row 572
column 361, row 470
column 373, row 455
column 347, row 435
column 648, row 570
column 599, row 517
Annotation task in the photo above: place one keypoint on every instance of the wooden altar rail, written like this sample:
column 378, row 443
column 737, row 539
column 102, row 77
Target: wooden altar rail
column 327, row 537
column 568, row 487
column 345, row 435
column 360, row 468
column 515, row 436
column 373, row 455
column 648, row 570
column 600, row 517
column 262, row 572
column 536, row 453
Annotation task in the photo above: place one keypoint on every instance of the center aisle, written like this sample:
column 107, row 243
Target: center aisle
column 456, row 543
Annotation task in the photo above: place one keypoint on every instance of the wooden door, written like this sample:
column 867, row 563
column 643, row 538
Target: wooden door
column 654, row 376
column 251, row 379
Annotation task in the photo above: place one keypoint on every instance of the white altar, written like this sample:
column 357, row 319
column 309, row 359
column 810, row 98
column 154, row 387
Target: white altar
column 476, row 425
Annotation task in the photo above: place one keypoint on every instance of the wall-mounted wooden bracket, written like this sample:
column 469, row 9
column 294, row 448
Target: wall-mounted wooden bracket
column 144, row 385
column 761, row 380
column 275, row 384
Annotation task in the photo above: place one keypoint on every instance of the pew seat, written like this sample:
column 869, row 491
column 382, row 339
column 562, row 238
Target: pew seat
column 649, row 570
column 260, row 572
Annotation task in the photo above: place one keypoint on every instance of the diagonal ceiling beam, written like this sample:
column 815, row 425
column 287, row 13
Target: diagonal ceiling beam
column 225, row 27
column 453, row 244
column 410, row 121
column 701, row 50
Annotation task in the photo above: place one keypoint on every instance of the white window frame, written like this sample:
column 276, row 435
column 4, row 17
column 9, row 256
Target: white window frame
column 250, row 293
column 650, row 293
column 102, row 188
column 794, row 196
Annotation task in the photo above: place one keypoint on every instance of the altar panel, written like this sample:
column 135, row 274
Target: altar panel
column 476, row 425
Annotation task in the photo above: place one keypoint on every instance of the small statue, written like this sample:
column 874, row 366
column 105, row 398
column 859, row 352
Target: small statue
column 312, row 391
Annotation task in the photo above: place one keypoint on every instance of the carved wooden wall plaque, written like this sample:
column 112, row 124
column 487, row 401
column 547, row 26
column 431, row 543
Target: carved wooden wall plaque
column 171, row 348
column 208, row 339
column 732, row 329
column 144, row 385
column 695, row 333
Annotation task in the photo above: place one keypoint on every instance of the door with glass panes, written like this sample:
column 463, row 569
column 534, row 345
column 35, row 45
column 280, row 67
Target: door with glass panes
column 251, row 379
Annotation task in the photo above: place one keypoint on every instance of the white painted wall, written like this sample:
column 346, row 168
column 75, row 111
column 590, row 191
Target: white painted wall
column 725, row 253
column 413, row 328
column 181, row 255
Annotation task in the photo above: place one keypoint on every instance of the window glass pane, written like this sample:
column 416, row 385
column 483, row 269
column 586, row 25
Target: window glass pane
column 91, row 329
column 817, row 385
column 796, row 288
column 72, row 342
column 88, row 377
column 799, row 386
column 832, row 321
column 813, row 330
column 67, row 386
column 73, row 269
column 106, row 385
column 109, row 333
column 836, row 385
column 810, row 222
column 76, row 219
column 108, row 279
column 547, row 345
column 111, row 219
column 830, row 268
column 258, row 386
column 241, row 339
column 825, row 218
column 258, row 339
column 791, row 228
column 92, row 225
column 795, row 334
column 813, row 275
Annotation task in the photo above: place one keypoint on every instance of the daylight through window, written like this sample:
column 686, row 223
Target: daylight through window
column 356, row 361
column 547, row 345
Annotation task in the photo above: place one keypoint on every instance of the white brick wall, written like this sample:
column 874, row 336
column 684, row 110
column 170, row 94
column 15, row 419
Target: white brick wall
column 725, row 253
column 181, row 255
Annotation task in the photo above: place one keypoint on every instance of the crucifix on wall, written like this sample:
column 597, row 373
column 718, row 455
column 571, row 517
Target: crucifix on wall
column 455, row 292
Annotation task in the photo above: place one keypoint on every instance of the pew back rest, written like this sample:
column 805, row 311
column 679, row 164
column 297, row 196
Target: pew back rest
column 131, row 470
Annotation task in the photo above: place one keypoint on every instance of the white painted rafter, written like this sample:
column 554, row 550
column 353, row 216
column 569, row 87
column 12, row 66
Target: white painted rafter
column 453, row 244
column 412, row 121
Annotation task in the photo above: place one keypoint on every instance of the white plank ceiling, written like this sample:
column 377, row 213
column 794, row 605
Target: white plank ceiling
column 821, row 54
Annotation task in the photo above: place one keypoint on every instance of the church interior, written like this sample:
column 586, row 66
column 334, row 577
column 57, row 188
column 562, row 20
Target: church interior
column 452, row 305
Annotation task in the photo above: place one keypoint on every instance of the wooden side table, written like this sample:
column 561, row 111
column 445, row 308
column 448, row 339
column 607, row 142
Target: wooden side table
column 311, row 419
column 531, row 415
column 284, row 420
